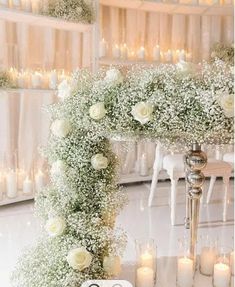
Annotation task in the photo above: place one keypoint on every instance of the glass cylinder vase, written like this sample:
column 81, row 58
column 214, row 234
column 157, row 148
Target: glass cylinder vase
column 146, row 269
column 222, row 270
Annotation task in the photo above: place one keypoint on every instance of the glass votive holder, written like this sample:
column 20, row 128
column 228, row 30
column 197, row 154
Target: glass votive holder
column 222, row 270
column 146, row 263
column 209, row 249
column 185, row 265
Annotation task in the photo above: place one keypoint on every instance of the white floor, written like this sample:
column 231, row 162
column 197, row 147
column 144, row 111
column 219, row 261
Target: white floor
column 19, row 228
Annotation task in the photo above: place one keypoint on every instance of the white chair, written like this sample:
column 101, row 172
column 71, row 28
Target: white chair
column 174, row 166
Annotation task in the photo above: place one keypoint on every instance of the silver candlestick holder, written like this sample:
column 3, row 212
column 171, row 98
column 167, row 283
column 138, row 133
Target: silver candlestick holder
column 195, row 161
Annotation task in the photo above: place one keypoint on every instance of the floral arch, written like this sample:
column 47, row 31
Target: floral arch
column 177, row 105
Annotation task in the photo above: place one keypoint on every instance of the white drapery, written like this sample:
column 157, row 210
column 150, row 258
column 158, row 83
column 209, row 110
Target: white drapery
column 193, row 33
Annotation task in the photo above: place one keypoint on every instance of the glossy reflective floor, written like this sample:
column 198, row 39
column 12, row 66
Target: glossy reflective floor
column 19, row 228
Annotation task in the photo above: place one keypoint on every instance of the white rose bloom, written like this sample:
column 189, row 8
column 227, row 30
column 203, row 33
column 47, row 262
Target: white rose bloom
column 79, row 258
column 58, row 168
column 142, row 112
column 55, row 226
column 186, row 67
column 113, row 77
column 99, row 161
column 60, row 128
column 112, row 265
column 97, row 111
column 64, row 90
column 226, row 101
column 232, row 70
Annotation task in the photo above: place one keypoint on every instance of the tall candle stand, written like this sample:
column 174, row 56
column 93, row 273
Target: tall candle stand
column 195, row 161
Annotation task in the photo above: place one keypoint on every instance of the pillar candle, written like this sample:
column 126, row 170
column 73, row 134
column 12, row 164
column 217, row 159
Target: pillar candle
column 147, row 260
column 124, row 51
column 141, row 53
column 39, row 180
column 232, row 262
column 21, row 80
column 27, row 186
column 145, row 277
column 36, row 80
column 156, row 53
column 144, row 165
column 116, row 52
column 168, row 56
column 35, row 6
column 185, row 272
column 53, row 80
column 11, row 184
column 221, row 275
column 103, row 48
column 207, row 260
column 182, row 55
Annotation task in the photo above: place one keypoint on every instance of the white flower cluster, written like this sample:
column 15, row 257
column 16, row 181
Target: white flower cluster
column 79, row 208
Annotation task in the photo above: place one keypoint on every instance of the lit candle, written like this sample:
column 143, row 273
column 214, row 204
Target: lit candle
column 232, row 262
column 124, row 51
column 189, row 57
column 39, row 180
column 103, row 48
column 26, row 5
column 27, row 186
column 207, row 260
column 20, row 178
column 221, row 275
column 185, row 272
column 147, row 260
column 141, row 53
column 35, row 6
column 36, row 80
column 145, row 277
column 11, row 184
column 13, row 75
column 182, row 55
column 156, row 53
column 53, row 80
column 21, row 80
column 116, row 52
column 168, row 56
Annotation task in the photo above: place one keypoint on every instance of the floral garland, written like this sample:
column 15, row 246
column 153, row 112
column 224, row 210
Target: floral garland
column 174, row 104
column 223, row 52
column 71, row 10
column 6, row 80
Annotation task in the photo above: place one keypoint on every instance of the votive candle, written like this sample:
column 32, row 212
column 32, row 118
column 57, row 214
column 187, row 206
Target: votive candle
column 141, row 53
column 156, row 53
column 53, row 80
column 36, row 80
column 116, row 52
column 147, row 260
column 103, row 48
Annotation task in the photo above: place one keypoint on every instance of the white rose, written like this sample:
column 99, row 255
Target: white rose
column 64, row 90
column 186, row 67
column 232, row 70
column 99, row 161
column 79, row 258
column 112, row 265
column 58, row 168
column 142, row 112
column 226, row 101
column 60, row 128
column 55, row 226
column 97, row 111
column 113, row 77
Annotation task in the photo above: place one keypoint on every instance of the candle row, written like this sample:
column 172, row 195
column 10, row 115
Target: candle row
column 13, row 181
column 28, row 79
column 220, row 265
column 34, row 6
column 156, row 54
